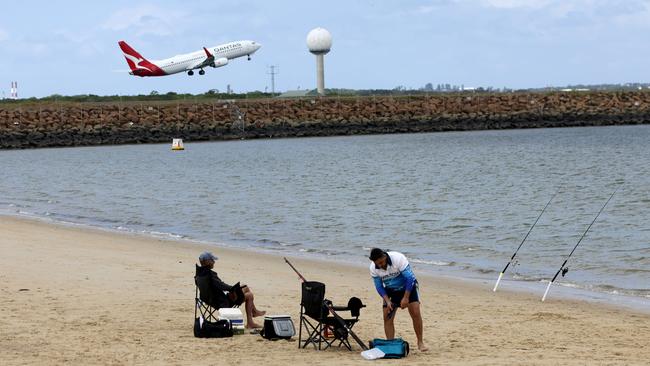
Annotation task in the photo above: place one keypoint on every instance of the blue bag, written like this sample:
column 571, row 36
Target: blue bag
column 393, row 348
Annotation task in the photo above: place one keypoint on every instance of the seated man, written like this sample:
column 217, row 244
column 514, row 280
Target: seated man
column 228, row 300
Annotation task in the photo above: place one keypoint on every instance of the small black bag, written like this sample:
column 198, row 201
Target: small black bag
column 278, row 327
column 206, row 329
column 238, row 293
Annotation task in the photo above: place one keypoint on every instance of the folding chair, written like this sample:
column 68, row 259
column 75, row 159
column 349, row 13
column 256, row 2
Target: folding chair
column 315, row 319
column 208, row 299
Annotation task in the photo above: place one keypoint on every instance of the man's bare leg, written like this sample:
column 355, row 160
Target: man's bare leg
column 248, row 299
column 255, row 312
column 414, row 311
column 389, row 324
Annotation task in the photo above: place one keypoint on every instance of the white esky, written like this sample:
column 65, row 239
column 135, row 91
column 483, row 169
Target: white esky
column 70, row 47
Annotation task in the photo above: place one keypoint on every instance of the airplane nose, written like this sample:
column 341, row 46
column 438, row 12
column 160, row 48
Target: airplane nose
column 257, row 46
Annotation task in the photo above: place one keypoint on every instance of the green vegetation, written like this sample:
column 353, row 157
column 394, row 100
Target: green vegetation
column 398, row 91
column 153, row 96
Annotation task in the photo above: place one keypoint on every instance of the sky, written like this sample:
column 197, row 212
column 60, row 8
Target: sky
column 70, row 47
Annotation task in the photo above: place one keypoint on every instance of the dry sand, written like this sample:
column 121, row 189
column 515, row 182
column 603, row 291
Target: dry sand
column 71, row 295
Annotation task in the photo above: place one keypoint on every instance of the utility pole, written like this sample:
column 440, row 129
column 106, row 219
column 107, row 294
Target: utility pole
column 14, row 90
column 274, row 71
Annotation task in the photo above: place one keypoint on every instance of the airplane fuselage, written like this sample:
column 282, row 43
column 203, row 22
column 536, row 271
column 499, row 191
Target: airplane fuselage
column 216, row 56
column 224, row 52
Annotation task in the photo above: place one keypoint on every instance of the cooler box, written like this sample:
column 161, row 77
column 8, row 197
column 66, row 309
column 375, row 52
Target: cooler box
column 231, row 313
column 236, row 318
column 278, row 326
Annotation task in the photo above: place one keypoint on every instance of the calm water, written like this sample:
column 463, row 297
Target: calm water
column 457, row 202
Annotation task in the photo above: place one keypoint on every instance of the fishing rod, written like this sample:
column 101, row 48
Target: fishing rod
column 564, row 270
column 330, row 307
column 295, row 270
column 522, row 243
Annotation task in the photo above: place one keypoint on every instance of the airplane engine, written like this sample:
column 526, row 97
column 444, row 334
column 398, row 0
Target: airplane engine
column 220, row 62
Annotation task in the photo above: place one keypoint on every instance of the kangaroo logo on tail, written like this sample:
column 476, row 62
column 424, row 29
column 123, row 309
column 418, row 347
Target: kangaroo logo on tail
column 139, row 65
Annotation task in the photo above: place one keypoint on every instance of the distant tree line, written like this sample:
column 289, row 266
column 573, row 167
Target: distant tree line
column 153, row 96
column 400, row 90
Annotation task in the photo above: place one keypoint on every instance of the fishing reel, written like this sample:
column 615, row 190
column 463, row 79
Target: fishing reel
column 565, row 270
column 514, row 265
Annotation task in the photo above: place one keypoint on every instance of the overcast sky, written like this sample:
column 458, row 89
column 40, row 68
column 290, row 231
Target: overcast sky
column 70, row 47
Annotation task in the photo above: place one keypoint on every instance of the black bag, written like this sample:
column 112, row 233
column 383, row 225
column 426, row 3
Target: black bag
column 206, row 329
column 278, row 327
column 238, row 294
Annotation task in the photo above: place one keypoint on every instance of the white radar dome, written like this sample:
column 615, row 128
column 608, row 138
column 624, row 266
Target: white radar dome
column 319, row 41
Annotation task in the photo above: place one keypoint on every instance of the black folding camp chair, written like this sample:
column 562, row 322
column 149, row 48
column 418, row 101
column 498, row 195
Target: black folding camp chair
column 315, row 319
column 207, row 298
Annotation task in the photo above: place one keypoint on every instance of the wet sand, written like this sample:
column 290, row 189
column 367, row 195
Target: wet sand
column 71, row 295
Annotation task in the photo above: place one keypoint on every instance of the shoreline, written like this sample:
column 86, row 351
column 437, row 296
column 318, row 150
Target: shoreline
column 532, row 288
column 87, row 296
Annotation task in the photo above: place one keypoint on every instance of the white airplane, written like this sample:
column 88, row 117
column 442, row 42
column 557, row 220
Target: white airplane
column 215, row 57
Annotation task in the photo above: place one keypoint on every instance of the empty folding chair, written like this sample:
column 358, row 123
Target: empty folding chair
column 315, row 319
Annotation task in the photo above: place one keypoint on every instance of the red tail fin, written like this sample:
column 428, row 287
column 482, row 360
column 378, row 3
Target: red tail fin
column 139, row 65
column 132, row 56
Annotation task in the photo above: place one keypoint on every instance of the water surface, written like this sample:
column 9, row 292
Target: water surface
column 458, row 202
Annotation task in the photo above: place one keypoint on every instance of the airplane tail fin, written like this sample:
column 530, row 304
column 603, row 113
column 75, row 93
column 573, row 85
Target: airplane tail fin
column 139, row 65
column 132, row 56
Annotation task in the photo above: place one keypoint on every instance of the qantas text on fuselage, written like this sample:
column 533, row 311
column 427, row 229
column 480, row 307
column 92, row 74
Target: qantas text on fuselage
column 214, row 57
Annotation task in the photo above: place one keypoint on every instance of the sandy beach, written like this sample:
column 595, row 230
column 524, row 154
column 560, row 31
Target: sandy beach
column 73, row 295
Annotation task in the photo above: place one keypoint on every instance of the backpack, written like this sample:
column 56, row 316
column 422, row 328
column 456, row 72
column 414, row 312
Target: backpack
column 393, row 348
column 206, row 329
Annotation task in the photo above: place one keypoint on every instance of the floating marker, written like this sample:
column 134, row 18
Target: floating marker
column 177, row 144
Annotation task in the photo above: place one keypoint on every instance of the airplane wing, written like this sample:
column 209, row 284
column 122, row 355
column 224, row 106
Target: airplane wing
column 208, row 61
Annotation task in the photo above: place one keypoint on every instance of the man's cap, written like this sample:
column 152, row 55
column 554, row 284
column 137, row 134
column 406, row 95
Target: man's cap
column 207, row 256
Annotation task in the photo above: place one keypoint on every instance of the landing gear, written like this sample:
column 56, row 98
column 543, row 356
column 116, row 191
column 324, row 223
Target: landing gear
column 201, row 72
column 249, row 57
column 190, row 73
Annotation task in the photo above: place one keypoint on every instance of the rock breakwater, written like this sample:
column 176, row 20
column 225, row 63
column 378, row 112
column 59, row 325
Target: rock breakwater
column 24, row 125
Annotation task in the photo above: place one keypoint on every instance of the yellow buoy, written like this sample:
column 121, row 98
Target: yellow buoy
column 177, row 144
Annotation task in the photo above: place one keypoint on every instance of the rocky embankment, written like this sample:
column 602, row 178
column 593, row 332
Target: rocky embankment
column 61, row 124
